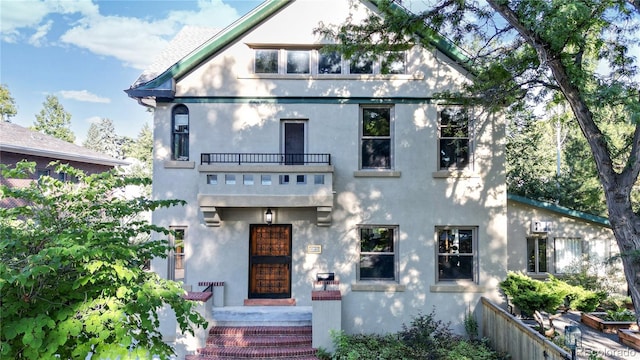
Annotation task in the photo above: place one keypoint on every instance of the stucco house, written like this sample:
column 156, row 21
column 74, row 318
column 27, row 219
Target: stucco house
column 545, row 238
column 296, row 163
column 18, row 143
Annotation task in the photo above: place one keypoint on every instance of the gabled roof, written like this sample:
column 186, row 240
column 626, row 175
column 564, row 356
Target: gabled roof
column 158, row 83
column 17, row 139
column 560, row 210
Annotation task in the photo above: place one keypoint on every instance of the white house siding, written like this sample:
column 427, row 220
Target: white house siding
column 416, row 198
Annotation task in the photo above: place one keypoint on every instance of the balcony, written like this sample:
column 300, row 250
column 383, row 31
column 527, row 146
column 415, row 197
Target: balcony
column 259, row 180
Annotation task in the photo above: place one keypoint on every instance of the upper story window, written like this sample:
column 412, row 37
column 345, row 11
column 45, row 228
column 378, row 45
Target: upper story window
column 454, row 150
column 456, row 253
column 316, row 62
column 329, row 63
column 180, row 133
column 361, row 65
column 394, row 62
column 375, row 141
column 266, row 62
column 378, row 253
column 298, row 61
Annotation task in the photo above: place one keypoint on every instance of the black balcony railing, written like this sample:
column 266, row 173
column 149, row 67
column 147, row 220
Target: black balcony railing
column 262, row 158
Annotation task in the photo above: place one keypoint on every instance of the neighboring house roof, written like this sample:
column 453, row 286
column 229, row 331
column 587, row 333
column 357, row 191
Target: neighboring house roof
column 560, row 210
column 177, row 60
column 17, row 139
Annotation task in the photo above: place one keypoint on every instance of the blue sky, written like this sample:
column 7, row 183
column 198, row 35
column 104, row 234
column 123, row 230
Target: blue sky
column 87, row 52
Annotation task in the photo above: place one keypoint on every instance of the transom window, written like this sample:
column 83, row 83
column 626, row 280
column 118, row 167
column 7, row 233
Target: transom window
column 456, row 253
column 375, row 142
column 378, row 251
column 454, row 137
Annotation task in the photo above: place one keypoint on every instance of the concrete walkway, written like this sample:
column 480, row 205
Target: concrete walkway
column 606, row 346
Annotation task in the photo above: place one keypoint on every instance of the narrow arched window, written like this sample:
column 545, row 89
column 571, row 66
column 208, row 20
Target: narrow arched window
column 180, row 133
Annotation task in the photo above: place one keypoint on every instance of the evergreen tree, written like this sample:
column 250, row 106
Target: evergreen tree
column 7, row 104
column 102, row 137
column 54, row 120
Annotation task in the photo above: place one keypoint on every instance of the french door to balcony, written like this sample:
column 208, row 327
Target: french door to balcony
column 270, row 262
column 293, row 141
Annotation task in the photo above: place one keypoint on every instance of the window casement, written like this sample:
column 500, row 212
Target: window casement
column 376, row 145
column 180, row 133
column 537, row 255
column 457, row 253
column 329, row 62
column 454, row 139
column 378, row 253
column 567, row 253
column 175, row 258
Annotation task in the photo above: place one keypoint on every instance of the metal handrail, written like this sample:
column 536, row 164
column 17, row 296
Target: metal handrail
column 264, row 158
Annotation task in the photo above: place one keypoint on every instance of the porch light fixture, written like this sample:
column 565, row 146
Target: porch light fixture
column 572, row 338
column 268, row 216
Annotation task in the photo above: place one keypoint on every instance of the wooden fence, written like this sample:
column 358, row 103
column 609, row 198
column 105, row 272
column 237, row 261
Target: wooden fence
column 510, row 335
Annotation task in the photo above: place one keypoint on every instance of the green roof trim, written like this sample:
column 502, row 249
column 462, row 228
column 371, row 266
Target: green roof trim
column 229, row 34
column 560, row 210
column 441, row 43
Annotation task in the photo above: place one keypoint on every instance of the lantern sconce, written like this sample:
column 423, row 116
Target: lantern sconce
column 268, row 216
column 572, row 338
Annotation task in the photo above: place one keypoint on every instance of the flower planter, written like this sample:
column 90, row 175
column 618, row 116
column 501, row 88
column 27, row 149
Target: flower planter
column 631, row 338
column 594, row 320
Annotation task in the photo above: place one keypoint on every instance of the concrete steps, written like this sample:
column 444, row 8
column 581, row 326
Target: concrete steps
column 259, row 332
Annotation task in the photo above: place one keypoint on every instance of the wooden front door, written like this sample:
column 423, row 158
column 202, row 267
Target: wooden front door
column 270, row 262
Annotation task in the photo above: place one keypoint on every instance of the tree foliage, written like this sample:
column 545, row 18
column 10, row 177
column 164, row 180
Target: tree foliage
column 7, row 104
column 522, row 53
column 72, row 273
column 102, row 137
column 54, row 120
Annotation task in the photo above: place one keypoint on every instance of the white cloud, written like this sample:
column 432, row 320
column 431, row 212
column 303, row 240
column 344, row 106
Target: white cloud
column 41, row 32
column 84, row 96
column 20, row 17
column 136, row 41
column 93, row 120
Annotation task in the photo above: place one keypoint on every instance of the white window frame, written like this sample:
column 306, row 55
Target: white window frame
column 363, row 137
column 448, row 254
column 535, row 261
column 469, row 137
column 180, row 135
column 176, row 261
column 395, row 233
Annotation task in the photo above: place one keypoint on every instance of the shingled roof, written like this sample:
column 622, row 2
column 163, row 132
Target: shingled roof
column 17, row 139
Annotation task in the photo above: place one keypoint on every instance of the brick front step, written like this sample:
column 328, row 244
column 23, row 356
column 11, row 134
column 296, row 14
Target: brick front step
column 258, row 342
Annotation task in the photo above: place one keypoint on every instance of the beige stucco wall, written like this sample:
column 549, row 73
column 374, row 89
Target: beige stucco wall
column 598, row 241
column 416, row 197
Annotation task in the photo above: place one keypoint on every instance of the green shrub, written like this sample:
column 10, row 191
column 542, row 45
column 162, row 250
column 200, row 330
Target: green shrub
column 425, row 338
column 530, row 295
column 620, row 315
